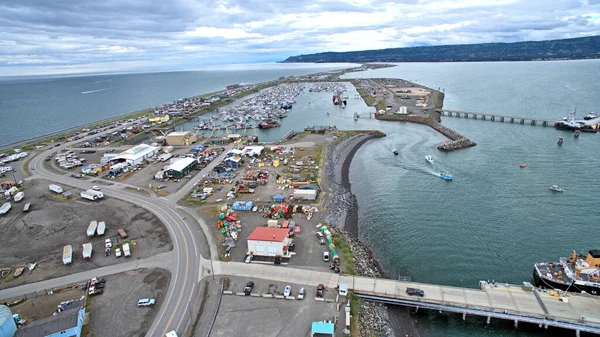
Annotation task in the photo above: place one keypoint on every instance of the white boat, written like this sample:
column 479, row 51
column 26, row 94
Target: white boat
column 556, row 188
column 429, row 159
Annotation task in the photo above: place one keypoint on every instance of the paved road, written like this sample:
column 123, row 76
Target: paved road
column 163, row 260
column 185, row 262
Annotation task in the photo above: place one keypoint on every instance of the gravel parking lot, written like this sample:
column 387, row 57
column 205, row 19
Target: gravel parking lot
column 40, row 234
column 267, row 316
column 115, row 312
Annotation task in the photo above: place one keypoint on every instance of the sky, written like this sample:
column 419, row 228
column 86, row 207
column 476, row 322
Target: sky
column 80, row 36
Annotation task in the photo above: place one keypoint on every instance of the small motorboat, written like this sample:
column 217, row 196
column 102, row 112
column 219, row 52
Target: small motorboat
column 560, row 140
column 576, row 134
column 555, row 188
column 446, row 176
column 395, row 152
column 522, row 165
column 429, row 159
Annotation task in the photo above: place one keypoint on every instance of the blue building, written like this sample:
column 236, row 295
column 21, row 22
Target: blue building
column 233, row 162
column 66, row 323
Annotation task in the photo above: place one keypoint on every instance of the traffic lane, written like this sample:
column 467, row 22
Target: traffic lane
column 186, row 269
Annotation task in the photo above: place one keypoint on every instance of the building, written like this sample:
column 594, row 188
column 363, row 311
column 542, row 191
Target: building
column 234, row 153
column 265, row 241
column 7, row 323
column 322, row 329
column 233, row 162
column 185, row 138
column 66, row 323
column 136, row 155
column 306, row 192
column 253, row 150
column 181, row 167
column 159, row 119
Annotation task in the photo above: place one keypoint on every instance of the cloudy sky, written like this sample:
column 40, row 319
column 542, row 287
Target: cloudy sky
column 72, row 36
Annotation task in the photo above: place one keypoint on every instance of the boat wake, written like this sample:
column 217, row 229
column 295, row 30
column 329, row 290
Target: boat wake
column 92, row 91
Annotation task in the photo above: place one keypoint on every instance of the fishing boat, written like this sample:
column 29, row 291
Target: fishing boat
column 395, row 152
column 268, row 124
column 555, row 188
column 429, row 159
column 446, row 176
column 578, row 273
column 560, row 140
column 576, row 134
column 568, row 123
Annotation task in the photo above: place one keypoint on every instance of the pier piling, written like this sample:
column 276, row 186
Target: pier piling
column 464, row 316
column 516, row 323
column 489, row 319
column 502, row 119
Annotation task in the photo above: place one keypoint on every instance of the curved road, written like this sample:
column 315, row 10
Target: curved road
column 173, row 313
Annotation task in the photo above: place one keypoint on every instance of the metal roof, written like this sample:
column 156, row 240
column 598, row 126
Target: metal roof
column 268, row 234
column 181, row 164
column 323, row 328
column 53, row 324
column 5, row 314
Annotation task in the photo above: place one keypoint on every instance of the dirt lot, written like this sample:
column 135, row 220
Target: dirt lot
column 40, row 235
column 45, row 305
column 118, row 303
column 271, row 317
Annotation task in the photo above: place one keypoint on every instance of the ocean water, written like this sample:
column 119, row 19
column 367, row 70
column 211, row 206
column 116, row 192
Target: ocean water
column 495, row 220
column 31, row 107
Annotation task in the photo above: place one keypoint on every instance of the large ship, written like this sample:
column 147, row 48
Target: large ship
column 268, row 124
column 578, row 273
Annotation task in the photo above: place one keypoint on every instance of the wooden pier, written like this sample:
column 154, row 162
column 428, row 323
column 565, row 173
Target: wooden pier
column 500, row 118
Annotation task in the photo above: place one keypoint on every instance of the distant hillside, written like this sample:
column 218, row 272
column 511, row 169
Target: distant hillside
column 578, row 48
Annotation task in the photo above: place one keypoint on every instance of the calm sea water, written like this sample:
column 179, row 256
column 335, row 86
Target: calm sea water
column 495, row 220
column 492, row 222
column 34, row 106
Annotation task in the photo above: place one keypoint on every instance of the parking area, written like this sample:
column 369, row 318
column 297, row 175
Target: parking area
column 115, row 312
column 270, row 316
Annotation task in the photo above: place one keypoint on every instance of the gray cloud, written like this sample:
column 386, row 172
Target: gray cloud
column 116, row 35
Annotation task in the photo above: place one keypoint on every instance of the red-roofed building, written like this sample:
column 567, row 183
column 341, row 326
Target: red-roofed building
column 265, row 241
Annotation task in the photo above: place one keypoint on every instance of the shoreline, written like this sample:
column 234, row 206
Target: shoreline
column 375, row 319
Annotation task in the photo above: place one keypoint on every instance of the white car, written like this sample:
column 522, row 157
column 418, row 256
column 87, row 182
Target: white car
column 301, row 293
column 96, row 188
column 107, row 243
column 287, row 291
column 118, row 252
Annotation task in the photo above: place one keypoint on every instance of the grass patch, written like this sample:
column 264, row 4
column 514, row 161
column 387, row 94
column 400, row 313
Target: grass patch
column 355, row 302
column 370, row 100
column 381, row 105
column 85, row 330
column 346, row 251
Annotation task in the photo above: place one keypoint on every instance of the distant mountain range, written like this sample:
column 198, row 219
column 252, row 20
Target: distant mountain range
column 578, row 48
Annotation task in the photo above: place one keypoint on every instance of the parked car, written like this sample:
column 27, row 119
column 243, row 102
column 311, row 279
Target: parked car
column 287, row 291
column 118, row 252
column 249, row 258
column 248, row 288
column 415, row 292
column 326, row 256
column 108, row 243
column 320, row 289
column 161, row 186
column 301, row 293
column 146, row 302
column 96, row 188
column 320, row 235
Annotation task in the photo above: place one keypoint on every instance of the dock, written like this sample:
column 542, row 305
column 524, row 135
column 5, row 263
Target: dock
column 577, row 312
column 500, row 118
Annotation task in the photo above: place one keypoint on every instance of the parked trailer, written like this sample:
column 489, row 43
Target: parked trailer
column 122, row 233
column 68, row 254
column 55, row 188
column 5, row 207
column 87, row 250
column 91, row 230
column 86, row 195
column 19, row 196
column 26, row 208
column 98, row 194
column 126, row 250
column 101, row 228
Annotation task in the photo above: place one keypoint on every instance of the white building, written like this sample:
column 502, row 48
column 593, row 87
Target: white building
column 253, row 150
column 136, row 155
column 265, row 241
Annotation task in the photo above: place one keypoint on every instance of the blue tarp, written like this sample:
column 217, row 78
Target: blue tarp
column 278, row 197
column 242, row 206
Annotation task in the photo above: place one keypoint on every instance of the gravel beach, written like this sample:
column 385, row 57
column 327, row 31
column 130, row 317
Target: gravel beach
column 342, row 213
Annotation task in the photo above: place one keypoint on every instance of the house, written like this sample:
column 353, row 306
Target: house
column 181, row 167
column 322, row 329
column 159, row 119
column 234, row 153
column 136, row 155
column 66, row 323
column 185, row 138
column 233, row 162
column 265, row 241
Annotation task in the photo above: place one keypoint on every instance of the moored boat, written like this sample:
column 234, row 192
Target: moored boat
column 578, row 273
column 555, row 188
column 560, row 140
column 395, row 152
column 576, row 134
column 268, row 124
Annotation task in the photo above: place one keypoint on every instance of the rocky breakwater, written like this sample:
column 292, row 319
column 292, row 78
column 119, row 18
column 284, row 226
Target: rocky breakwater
column 457, row 141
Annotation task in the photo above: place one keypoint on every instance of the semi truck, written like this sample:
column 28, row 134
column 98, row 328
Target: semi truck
column 67, row 256
column 55, row 188
column 91, row 230
column 126, row 250
column 101, row 228
column 87, row 250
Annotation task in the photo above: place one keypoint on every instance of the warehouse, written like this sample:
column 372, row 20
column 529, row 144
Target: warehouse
column 64, row 323
column 185, row 138
column 136, row 155
column 181, row 167
column 265, row 241
column 306, row 192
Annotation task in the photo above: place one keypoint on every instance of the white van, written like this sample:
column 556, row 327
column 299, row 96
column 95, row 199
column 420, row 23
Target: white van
column 146, row 302
column 326, row 256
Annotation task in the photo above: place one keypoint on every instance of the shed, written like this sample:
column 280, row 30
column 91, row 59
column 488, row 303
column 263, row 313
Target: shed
column 278, row 197
column 5, row 185
column 322, row 329
column 67, row 194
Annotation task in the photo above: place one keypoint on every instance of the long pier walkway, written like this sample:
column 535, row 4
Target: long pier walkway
column 500, row 118
column 502, row 301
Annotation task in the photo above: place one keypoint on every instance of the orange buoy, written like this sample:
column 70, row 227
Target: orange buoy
column 522, row 165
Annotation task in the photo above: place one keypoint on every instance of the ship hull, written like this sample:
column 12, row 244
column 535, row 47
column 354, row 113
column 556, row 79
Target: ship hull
column 575, row 287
